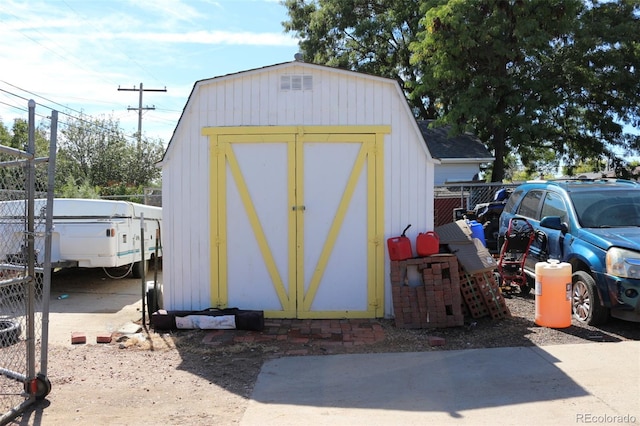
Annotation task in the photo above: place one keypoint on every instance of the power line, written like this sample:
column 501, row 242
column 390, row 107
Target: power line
column 80, row 118
column 14, row 107
column 40, row 96
column 140, row 108
column 41, row 104
column 14, row 94
column 168, row 110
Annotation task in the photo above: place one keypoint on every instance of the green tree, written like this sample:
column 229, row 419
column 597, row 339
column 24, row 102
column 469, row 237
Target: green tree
column 5, row 136
column 71, row 189
column 90, row 150
column 549, row 80
column 370, row 36
column 95, row 152
column 142, row 160
column 14, row 177
column 18, row 137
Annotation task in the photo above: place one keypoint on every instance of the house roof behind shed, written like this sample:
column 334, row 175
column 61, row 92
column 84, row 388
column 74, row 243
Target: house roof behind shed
column 443, row 146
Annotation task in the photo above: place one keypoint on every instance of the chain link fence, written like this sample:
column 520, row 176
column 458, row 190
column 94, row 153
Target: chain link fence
column 482, row 202
column 150, row 197
column 24, row 280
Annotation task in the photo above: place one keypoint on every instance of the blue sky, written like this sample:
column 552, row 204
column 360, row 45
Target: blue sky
column 72, row 55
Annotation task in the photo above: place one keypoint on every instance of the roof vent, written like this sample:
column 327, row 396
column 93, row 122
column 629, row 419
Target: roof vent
column 296, row 82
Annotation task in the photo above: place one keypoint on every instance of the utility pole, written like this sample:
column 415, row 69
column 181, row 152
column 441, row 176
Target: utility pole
column 140, row 108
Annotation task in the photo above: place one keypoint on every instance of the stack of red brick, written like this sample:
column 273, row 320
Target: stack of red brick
column 436, row 302
column 445, row 295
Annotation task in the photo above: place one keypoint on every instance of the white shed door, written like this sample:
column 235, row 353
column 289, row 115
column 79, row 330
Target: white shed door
column 297, row 223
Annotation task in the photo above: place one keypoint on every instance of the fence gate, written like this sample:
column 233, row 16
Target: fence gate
column 25, row 272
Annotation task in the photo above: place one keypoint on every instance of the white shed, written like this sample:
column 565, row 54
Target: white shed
column 281, row 186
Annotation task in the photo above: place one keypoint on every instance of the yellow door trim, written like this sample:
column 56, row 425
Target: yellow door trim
column 369, row 156
column 301, row 130
column 222, row 154
column 297, row 219
column 334, row 230
column 217, row 221
column 377, row 259
column 256, row 226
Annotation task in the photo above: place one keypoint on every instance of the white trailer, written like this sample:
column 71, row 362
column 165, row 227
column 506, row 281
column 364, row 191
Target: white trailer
column 86, row 233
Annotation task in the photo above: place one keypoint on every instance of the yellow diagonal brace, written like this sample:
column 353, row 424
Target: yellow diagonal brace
column 335, row 226
column 257, row 227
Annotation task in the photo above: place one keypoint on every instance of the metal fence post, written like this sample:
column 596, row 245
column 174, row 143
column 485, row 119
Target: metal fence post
column 23, row 294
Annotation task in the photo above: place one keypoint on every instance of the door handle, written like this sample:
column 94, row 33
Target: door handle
column 295, row 208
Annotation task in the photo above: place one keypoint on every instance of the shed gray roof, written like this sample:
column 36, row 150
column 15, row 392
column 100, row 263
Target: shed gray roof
column 443, row 146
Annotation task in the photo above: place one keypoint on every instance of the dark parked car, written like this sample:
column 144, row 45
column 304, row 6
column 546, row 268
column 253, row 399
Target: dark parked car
column 595, row 226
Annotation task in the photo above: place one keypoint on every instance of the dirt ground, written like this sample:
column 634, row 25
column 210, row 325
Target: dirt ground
column 110, row 386
column 177, row 378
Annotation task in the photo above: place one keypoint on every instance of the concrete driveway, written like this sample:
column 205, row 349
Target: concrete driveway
column 93, row 304
column 551, row 385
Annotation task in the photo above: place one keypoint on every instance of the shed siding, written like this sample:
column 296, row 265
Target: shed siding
column 187, row 184
column 254, row 98
column 334, row 100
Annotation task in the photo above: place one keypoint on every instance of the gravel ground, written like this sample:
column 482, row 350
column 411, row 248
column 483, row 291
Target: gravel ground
column 518, row 330
column 175, row 379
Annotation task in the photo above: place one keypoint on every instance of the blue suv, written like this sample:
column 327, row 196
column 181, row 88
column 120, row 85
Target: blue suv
column 595, row 226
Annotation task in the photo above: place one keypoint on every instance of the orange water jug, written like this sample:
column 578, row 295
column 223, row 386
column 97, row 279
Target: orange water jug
column 553, row 294
column 427, row 243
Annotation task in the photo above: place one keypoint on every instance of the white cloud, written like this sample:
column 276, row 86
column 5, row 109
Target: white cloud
column 77, row 53
column 174, row 10
column 214, row 37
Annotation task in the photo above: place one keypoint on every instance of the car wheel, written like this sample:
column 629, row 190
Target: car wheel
column 585, row 301
column 139, row 269
column 154, row 299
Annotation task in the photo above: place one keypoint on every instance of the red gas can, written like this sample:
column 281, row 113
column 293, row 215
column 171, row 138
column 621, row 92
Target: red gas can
column 400, row 247
column 427, row 243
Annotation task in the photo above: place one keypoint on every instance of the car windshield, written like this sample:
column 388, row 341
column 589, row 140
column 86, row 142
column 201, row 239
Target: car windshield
column 607, row 209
